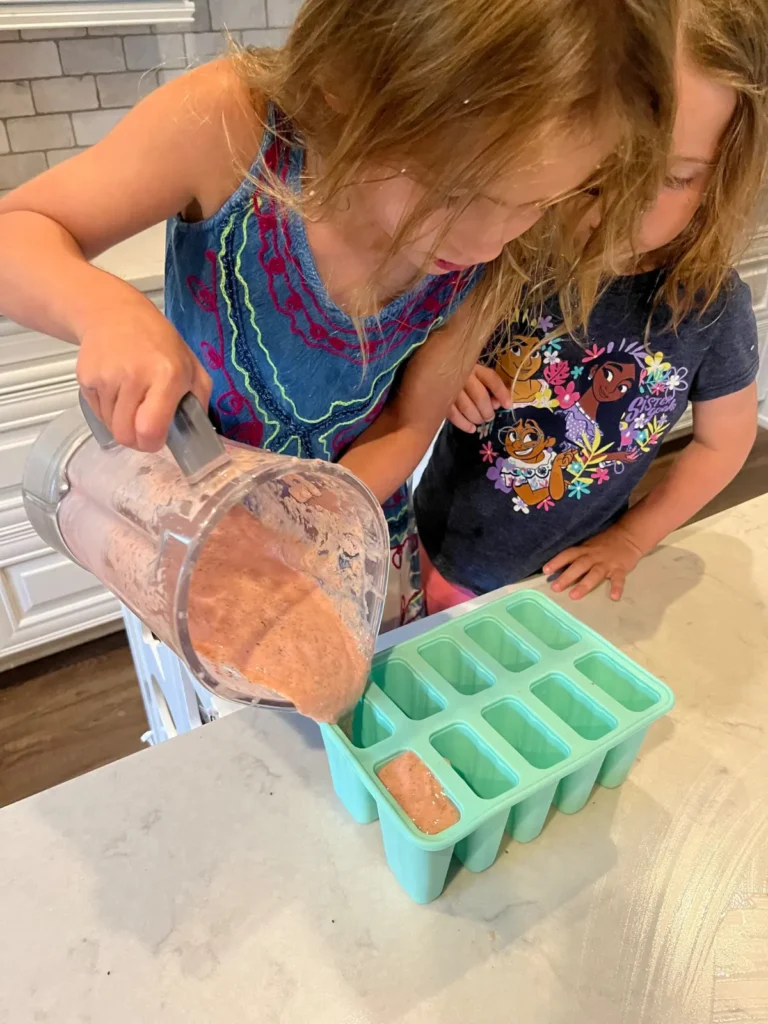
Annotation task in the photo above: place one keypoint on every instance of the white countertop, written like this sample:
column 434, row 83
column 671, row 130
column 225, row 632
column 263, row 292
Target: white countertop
column 216, row 878
column 139, row 260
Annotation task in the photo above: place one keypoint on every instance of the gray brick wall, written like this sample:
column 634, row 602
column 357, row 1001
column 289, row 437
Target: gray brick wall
column 62, row 90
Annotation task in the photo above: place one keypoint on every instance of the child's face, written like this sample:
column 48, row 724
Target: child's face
column 704, row 110
column 479, row 233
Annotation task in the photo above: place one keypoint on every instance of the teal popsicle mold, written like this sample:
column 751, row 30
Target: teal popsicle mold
column 514, row 707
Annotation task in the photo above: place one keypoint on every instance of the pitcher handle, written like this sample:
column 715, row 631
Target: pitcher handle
column 192, row 440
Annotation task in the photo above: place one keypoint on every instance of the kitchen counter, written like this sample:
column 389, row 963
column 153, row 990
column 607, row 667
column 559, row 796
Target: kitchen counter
column 216, row 878
column 140, row 260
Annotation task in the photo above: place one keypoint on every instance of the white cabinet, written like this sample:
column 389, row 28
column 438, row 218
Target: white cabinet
column 46, row 598
column 55, row 14
column 46, row 601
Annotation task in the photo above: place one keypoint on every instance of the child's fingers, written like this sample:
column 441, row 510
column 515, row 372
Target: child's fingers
column 108, row 409
column 493, row 382
column 573, row 573
column 154, row 415
column 618, row 578
column 469, row 410
column 105, row 397
column 202, row 387
column 129, row 398
column 460, row 421
column 478, row 393
column 91, row 395
column 560, row 561
column 593, row 579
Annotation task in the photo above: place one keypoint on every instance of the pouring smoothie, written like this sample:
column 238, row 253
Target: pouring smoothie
column 264, row 573
column 251, row 611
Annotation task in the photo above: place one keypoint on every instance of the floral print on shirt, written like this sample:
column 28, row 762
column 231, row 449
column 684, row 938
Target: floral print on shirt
column 579, row 415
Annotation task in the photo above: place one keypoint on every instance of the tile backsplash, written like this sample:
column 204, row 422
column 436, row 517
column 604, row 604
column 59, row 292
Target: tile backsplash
column 61, row 90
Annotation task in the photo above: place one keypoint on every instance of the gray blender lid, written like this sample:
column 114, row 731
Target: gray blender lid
column 44, row 480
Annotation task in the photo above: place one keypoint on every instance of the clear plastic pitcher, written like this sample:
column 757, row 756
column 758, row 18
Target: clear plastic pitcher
column 265, row 573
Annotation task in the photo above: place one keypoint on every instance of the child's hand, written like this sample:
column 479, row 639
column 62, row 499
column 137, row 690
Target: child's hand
column 483, row 394
column 608, row 556
column 134, row 370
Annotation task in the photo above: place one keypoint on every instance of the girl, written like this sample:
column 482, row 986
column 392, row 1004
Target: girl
column 678, row 327
column 329, row 206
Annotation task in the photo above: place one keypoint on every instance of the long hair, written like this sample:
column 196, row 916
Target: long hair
column 456, row 91
column 727, row 40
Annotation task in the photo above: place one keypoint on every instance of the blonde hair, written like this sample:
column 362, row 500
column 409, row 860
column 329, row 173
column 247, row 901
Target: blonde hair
column 454, row 90
column 727, row 40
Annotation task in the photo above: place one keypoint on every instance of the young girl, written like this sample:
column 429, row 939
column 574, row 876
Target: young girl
column 329, row 206
column 545, row 483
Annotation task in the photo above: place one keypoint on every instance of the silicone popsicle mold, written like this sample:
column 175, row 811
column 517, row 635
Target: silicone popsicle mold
column 513, row 707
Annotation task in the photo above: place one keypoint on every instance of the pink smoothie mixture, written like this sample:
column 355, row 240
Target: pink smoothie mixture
column 272, row 624
column 258, row 618
column 419, row 793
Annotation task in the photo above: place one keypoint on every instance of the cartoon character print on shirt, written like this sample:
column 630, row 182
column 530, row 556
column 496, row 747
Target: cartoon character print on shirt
column 586, row 415
column 517, row 364
column 533, row 467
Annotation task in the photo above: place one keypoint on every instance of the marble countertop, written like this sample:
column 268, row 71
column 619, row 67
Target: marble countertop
column 139, row 260
column 217, row 879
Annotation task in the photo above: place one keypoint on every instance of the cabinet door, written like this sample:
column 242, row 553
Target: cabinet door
column 23, row 414
column 44, row 597
column 31, row 360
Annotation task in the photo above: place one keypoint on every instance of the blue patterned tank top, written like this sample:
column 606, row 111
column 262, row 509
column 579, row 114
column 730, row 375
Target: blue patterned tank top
column 288, row 373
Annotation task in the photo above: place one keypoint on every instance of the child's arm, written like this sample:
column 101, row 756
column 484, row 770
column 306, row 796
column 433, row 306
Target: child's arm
column 724, row 431
column 386, row 454
column 178, row 150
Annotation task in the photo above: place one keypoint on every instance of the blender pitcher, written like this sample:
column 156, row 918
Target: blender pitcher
column 265, row 573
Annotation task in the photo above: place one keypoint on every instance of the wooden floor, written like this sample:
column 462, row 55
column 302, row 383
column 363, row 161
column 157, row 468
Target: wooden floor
column 64, row 715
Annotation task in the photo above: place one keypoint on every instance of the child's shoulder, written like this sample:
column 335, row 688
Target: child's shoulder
column 707, row 323
column 221, row 100
column 217, row 124
column 218, row 87
column 721, row 342
column 732, row 305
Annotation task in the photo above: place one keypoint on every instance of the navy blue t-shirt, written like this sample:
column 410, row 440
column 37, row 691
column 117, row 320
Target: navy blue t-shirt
column 493, row 507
